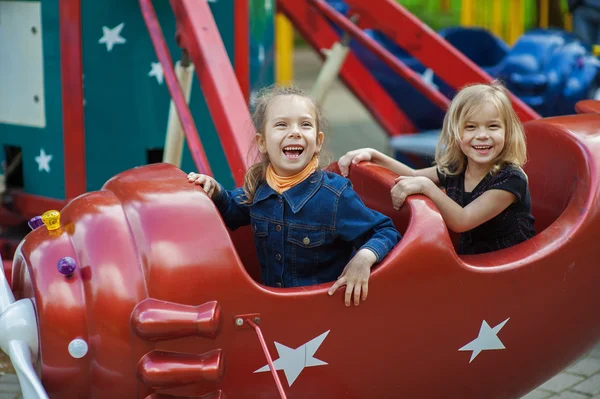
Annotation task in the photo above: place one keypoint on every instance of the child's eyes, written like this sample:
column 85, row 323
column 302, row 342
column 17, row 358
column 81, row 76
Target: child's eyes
column 470, row 127
column 307, row 124
column 278, row 124
column 494, row 126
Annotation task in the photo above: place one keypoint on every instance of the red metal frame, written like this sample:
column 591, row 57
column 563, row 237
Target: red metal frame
column 29, row 205
column 394, row 63
column 198, row 33
column 320, row 35
column 408, row 32
column 71, row 71
column 185, row 116
column 241, row 24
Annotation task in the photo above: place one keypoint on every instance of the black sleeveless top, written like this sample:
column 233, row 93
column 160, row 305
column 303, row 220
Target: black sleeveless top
column 512, row 226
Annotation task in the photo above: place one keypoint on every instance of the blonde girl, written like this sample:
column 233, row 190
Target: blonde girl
column 479, row 161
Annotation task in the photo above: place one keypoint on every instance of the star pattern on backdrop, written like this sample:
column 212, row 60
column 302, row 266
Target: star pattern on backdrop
column 43, row 161
column 110, row 37
column 486, row 340
column 293, row 361
column 158, row 72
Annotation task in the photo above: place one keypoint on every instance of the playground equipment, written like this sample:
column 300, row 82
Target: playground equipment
column 138, row 290
column 100, row 60
column 406, row 78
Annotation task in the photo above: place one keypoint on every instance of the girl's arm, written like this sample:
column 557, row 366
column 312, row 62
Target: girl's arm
column 370, row 154
column 371, row 232
column 457, row 218
column 231, row 205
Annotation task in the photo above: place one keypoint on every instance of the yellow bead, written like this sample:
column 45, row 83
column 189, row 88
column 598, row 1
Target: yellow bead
column 51, row 219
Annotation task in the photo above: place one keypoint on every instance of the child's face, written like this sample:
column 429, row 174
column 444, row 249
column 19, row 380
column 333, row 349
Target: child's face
column 290, row 137
column 483, row 136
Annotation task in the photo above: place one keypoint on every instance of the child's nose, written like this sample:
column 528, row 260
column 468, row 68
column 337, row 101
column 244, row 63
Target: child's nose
column 482, row 132
column 294, row 132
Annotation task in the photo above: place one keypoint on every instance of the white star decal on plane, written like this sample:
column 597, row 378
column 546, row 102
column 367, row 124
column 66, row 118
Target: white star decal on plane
column 112, row 36
column 157, row 71
column 486, row 340
column 293, row 361
column 43, row 161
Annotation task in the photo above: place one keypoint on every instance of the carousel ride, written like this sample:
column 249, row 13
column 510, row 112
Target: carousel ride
column 138, row 290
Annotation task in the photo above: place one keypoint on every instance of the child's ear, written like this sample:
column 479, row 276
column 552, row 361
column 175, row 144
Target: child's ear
column 320, row 138
column 260, row 141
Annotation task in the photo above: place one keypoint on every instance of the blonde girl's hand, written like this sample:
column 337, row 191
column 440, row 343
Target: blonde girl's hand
column 356, row 277
column 408, row 185
column 353, row 158
column 210, row 185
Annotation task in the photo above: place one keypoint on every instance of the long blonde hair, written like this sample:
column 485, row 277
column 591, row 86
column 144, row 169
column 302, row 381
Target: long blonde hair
column 255, row 175
column 449, row 157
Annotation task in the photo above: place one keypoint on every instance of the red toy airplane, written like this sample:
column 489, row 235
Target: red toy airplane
column 159, row 300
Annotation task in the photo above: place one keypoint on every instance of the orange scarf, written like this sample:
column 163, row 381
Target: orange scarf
column 282, row 183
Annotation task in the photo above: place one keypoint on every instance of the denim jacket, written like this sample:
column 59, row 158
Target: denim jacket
column 307, row 235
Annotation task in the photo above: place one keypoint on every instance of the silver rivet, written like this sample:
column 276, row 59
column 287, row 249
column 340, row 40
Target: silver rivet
column 306, row 241
column 239, row 322
column 257, row 320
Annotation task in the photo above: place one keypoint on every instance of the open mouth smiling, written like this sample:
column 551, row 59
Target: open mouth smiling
column 293, row 151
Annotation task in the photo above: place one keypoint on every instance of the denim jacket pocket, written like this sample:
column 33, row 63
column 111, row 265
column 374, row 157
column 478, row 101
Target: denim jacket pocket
column 306, row 238
column 260, row 228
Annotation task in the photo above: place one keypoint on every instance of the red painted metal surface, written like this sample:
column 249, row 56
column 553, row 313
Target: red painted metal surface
column 408, row 32
column 224, row 98
column 588, row 107
column 241, row 29
column 185, row 116
column 388, row 58
column 154, row 320
column 320, row 35
column 265, row 349
column 150, row 234
column 29, row 205
column 214, row 395
column 161, row 369
column 71, row 73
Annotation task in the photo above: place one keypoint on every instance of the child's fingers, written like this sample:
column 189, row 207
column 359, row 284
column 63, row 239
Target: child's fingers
column 344, row 164
column 200, row 180
column 348, row 295
column 206, row 187
column 365, row 290
column 361, row 156
column 340, row 282
column 398, row 200
column 357, row 289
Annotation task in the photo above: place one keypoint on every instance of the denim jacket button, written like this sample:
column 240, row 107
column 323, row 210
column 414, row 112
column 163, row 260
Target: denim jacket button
column 278, row 257
column 278, row 284
column 306, row 241
column 278, row 227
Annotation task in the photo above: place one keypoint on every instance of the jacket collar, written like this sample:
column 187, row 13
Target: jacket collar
column 296, row 196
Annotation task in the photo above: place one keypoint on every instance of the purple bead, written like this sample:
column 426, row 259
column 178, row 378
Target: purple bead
column 35, row 222
column 66, row 266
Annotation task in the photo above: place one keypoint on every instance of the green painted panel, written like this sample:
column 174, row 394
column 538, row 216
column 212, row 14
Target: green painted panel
column 262, row 43
column 126, row 105
column 126, row 97
column 33, row 140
